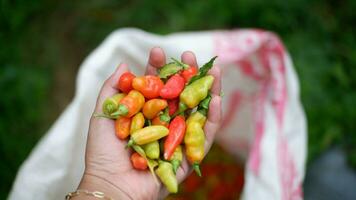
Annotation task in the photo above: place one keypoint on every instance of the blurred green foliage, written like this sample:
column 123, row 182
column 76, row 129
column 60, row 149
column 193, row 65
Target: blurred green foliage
column 42, row 41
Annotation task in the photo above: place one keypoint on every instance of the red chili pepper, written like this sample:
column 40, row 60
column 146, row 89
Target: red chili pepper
column 187, row 74
column 175, row 136
column 173, row 87
column 173, row 106
column 138, row 161
column 125, row 82
column 150, row 86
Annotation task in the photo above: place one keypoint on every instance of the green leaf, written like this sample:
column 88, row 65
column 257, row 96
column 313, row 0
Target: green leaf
column 203, row 70
column 179, row 63
column 169, row 69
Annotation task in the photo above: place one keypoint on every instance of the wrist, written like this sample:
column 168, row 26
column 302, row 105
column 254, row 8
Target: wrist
column 93, row 183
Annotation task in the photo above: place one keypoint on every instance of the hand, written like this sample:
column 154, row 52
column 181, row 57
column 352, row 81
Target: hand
column 108, row 167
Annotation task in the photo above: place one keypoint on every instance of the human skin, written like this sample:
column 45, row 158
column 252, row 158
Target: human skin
column 108, row 168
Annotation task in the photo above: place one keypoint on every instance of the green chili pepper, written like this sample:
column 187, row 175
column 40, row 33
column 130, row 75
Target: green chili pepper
column 197, row 91
column 176, row 158
column 167, row 176
column 152, row 150
column 110, row 104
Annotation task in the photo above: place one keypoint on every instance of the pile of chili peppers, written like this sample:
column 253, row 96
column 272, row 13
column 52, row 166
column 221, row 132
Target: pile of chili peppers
column 163, row 116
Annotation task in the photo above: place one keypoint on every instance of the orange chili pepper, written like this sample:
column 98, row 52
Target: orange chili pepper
column 130, row 104
column 122, row 127
column 153, row 107
column 138, row 162
column 150, row 86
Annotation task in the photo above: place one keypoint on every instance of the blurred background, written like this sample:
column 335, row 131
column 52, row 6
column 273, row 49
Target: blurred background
column 42, row 44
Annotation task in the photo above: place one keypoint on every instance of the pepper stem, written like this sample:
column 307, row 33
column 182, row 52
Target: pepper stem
column 104, row 116
column 203, row 106
column 182, row 107
column 175, row 164
column 130, row 143
column 197, row 169
column 122, row 110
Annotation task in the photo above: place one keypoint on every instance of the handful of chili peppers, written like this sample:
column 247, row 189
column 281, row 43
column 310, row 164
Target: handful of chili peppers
column 163, row 116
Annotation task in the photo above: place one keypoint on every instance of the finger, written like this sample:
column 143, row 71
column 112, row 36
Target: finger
column 156, row 60
column 109, row 87
column 212, row 124
column 189, row 58
column 216, row 87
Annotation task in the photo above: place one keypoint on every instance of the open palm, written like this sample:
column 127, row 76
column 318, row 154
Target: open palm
column 107, row 163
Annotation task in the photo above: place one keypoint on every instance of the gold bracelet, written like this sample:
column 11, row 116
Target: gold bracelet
column 97, row 194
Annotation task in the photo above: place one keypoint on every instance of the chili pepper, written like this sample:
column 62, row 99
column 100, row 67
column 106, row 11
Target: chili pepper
column 122, row 127
column 130, row 104
column 194, row 144
column 173, row 106
column 138, row 162
column 173, row 87
column 152, row 150
column 197, row 117
column 157, row 121
column 147, row 135
column 197, row 91
column 150, row 86
column 137, row 122
column 176, row 158
column 187, row 74
column 175, row 136
column 163, row 119
column 167, row 176
column 111, row 103
column 125, row 82
column 194, row 137
column 153, row 107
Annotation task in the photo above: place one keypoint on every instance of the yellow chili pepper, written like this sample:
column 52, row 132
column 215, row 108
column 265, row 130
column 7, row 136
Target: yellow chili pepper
column 137, row 122
column 167, row 176
column 196, row 91
column 147, row 135
column 152, row 150
column 197, row 117
column 194, row 139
